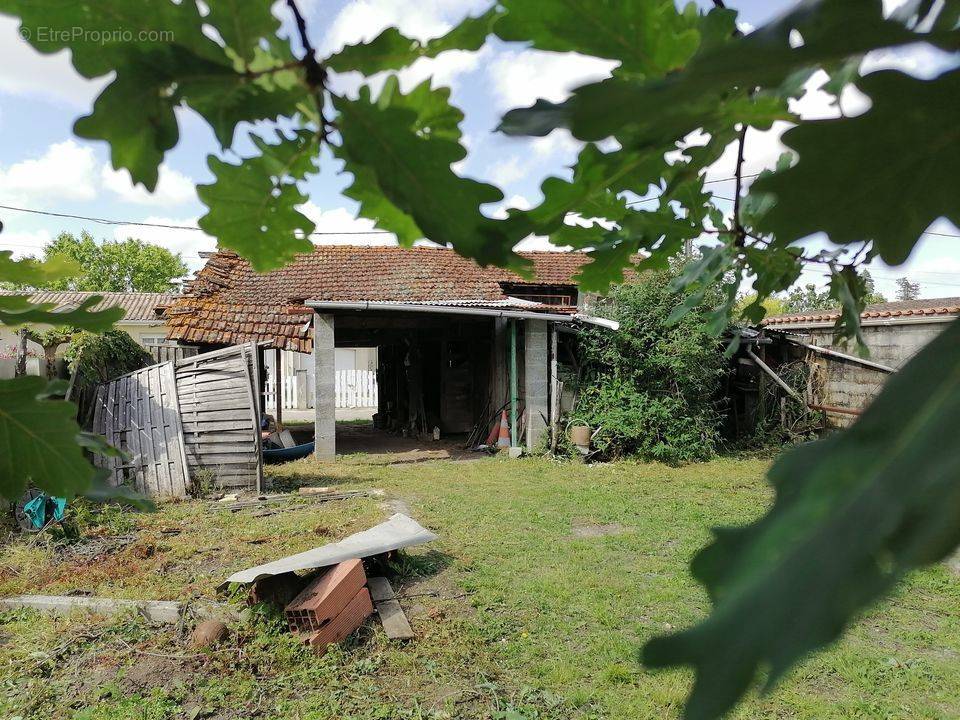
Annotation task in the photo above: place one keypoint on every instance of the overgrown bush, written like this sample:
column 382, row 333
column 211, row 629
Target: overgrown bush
column 96, row 358
column 652, row 387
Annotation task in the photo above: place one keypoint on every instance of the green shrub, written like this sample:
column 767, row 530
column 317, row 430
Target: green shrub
column 96, row 358
column 651, row 387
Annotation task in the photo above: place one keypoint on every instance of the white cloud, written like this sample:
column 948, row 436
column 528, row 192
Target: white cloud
column 559, row 143
column 25, row 242
column 520, row 77
column 173, row 187
column 25, row 72
column 340, row 222
column 66, row 171
column 363, row 20
column 506, row 171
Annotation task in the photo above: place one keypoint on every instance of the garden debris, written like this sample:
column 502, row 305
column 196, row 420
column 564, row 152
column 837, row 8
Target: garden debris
column 277, row 590
column 326, row 597
column 395, row 623
column 344, row 624
column 208, row 633
column 95, row 547
column 157, row 611
column 263, row 502
column 399, row 531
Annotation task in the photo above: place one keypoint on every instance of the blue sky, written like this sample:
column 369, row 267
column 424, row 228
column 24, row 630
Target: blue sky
column 43, row 167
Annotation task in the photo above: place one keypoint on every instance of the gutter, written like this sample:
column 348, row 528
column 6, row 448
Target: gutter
column 366, row 305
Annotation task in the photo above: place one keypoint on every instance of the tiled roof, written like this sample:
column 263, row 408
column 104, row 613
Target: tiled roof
column 137, row 306
column 229, row 303
column 902, row 308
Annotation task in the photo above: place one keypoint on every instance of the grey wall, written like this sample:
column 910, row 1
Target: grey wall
column 850, row 385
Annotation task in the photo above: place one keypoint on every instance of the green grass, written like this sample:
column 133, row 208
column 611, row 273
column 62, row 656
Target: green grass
column 550, row 578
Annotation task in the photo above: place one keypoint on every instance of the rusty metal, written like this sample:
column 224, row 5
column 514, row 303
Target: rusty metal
column 835, row 409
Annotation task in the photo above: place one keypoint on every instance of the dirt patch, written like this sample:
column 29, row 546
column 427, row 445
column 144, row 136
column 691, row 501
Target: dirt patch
column 380, row 447
column 581, row 529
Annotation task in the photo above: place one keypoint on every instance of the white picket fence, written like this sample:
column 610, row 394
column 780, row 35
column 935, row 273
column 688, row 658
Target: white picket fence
column 356, row 388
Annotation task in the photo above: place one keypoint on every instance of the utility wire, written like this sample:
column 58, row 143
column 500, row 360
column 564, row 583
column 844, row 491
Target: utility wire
column 109, row 221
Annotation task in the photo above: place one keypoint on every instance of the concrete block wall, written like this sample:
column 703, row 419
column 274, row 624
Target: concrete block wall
column 536, row 379
column 854, row 386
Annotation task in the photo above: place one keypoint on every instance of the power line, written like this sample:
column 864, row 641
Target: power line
column 110, row 221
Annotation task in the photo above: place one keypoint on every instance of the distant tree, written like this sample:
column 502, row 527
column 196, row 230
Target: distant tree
column 907, row 290
column 114, row 265
column 774, row 304
column 871, row 295
column 807, row 299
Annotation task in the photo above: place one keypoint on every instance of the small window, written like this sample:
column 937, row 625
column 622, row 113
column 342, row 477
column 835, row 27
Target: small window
column 545, row 294
column 153, row 340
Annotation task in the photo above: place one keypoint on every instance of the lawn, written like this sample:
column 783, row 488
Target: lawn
column 546, row 580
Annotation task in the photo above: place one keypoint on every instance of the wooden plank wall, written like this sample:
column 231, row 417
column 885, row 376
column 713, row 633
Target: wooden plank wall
column 221, row 421
column 138, row 414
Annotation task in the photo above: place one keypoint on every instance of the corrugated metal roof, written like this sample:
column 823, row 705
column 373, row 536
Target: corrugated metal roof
column 137, row 306
column 899, row 309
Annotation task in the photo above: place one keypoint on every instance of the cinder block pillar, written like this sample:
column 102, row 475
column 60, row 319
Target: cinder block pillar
column 536, row 382
column 325, row 402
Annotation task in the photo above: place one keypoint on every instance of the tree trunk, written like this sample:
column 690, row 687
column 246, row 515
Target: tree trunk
column 21, row 368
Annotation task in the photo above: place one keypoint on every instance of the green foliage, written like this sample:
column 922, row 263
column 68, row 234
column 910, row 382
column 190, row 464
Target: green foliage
column 678, row 70
column 255, row 201
column 111, row 265
column 391, row 50
column 401, row 147
column 651, row 387
column 807, row 299
column 772, row 305
column 97, row 358
column 822, row 192
column 37, row 441
column 843, row 530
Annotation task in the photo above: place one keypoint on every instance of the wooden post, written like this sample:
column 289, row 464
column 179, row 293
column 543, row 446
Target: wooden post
column 514, row 391
column 554, row 389
column 278, row 384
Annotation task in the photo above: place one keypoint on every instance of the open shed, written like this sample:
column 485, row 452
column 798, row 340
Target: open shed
column 456, row 342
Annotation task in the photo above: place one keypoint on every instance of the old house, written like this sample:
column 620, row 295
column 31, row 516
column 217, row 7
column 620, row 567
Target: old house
column 142, row 320
column 844, row 383
column 455, row 342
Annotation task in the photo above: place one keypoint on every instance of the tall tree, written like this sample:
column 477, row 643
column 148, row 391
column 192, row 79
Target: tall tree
column 907, row 290
column 114, row 265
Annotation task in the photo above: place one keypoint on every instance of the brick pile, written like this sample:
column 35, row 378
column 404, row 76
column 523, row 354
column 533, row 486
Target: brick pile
column 332, row 606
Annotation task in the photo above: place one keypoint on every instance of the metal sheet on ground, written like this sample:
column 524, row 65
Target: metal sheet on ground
column 399, row 531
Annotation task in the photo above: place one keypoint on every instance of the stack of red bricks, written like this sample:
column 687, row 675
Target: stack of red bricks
column 331, row 607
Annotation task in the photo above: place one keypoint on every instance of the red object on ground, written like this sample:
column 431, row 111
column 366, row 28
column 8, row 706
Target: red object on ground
column 343, row 625
column 326, row 597
column 503, row 439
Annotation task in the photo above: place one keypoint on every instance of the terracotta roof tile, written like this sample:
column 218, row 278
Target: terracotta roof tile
column 902, row 308
column 229, row 303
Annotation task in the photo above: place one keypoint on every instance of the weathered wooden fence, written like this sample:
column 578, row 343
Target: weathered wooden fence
column 221, row 420
column 356, row 388
column 138, row 413
column 177, row 419
column 168, row 353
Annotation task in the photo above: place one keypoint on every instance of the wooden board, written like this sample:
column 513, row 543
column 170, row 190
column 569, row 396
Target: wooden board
column 221, row 422
column 138, row 414
column 395, row 623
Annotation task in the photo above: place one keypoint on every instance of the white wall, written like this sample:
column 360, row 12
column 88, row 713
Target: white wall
column 9, row 340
